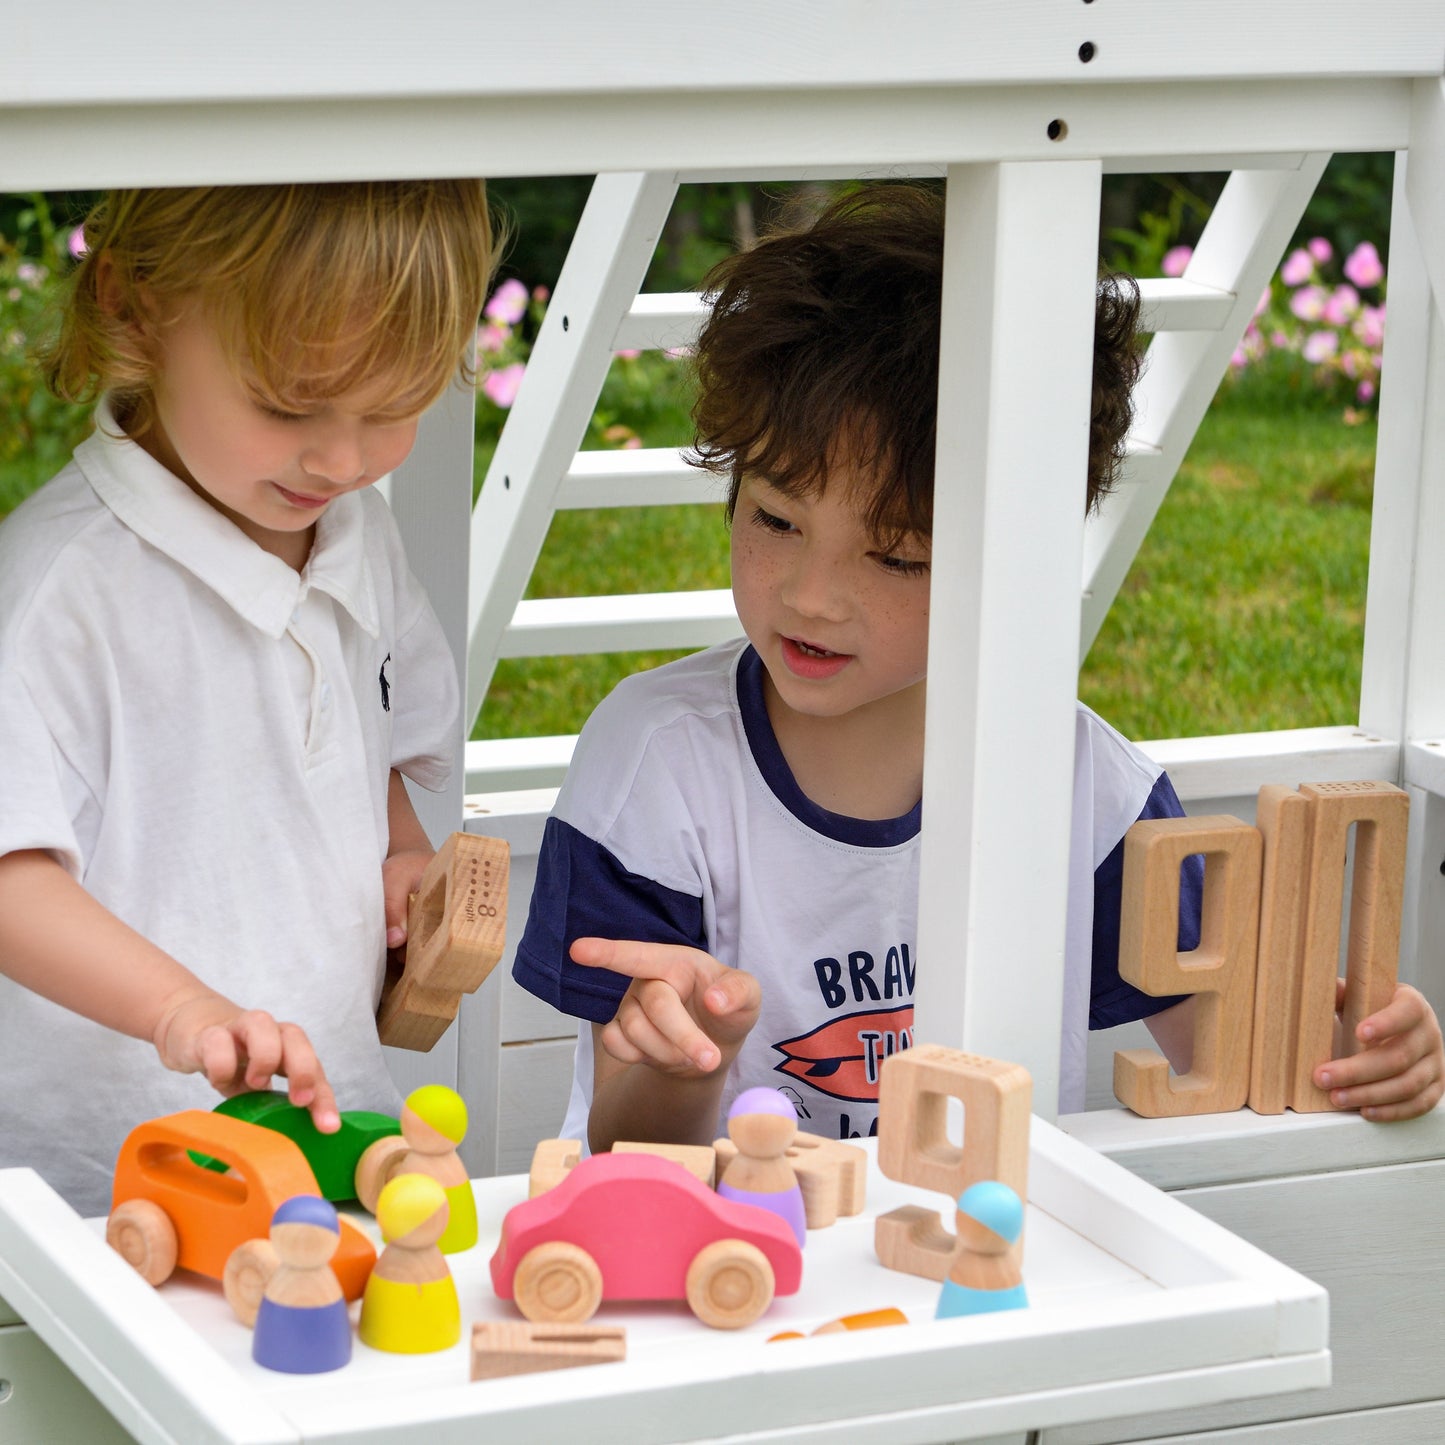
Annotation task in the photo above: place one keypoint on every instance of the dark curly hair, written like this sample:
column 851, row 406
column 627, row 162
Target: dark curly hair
column 823, row 341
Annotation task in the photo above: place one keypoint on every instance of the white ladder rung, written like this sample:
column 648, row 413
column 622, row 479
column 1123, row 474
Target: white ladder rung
column 634, row 622
column 661, row 321
column 505, row 765
column 648, row 477
column 1174, row 304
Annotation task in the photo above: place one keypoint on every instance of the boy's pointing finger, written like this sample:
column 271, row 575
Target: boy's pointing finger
column 673, row 963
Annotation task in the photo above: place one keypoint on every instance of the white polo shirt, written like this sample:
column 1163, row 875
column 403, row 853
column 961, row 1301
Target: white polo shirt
column 203, row 738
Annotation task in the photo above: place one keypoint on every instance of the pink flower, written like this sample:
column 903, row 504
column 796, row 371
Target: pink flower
column 508, row 304
column 1342, row 306
column 629, row 355
column 1299, row 266
column 1280, row 341
column 1363, row 267
column 1308, row 303
column 1369, row 327
column 76, row 242
column 540, row 294
column 1176, row 258
column 1350, row 363
column 1240, row 358
column 1366, row 390
column 491, row 337
column 501, row 385
column 1320, row 346
column 1262, row 305
column 1320, row 249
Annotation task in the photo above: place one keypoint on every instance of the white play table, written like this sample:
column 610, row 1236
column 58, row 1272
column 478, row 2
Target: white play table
column 1137, row 1303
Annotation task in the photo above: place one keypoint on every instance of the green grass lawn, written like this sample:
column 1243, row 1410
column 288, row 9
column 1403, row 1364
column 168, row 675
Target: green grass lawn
column 1244, row 610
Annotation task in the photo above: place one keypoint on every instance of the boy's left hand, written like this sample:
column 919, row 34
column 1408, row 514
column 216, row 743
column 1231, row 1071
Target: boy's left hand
column 1400, row 1070
column 401, row 877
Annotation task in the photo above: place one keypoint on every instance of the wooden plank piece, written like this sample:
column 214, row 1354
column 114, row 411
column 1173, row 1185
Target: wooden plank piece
column 518, row 1347
column 1285, row 819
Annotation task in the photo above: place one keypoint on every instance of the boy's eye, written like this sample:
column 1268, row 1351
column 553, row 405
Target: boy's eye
column 277, row 413
column 903, row 566
column 769, row 522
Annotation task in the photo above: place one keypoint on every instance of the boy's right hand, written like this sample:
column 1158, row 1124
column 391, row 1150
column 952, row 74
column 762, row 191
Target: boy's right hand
column 684, row 1013
column 240, row 1049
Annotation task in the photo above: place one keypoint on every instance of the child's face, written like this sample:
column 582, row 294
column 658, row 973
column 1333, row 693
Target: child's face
column 272, row 473
column 839, row 623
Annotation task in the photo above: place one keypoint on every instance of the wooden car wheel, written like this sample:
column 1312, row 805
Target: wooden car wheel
column 729, row 1284
column 249, row 1268
column 557, row 1284
column 141, row 1232
column 379, row 1161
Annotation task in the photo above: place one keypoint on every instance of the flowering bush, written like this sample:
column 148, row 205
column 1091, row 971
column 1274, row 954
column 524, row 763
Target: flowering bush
column 643, row 390
column 1332, row 325
column 37, row 432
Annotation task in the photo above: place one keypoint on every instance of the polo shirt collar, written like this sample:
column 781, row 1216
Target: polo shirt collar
column 163, row 511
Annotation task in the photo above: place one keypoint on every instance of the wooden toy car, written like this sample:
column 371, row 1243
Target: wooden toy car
column 333, row 1157
column 639, row 1227
column 170, row 1211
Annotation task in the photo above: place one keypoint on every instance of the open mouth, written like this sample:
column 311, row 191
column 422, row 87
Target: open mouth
column 300, row 499
column 808, row 660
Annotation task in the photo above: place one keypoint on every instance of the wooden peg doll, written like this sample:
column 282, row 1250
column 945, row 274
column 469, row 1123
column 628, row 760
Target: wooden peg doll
column 433, row 1123
column 410, row 1306
column 762, row 1123
column 984, row 1274
column 302, row 1327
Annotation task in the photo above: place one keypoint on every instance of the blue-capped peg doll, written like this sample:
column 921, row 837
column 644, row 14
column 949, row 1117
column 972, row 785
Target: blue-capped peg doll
column 984, row 1275
column 302, row 1326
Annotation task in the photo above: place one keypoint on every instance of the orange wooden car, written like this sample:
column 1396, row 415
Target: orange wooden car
column 169, row 1211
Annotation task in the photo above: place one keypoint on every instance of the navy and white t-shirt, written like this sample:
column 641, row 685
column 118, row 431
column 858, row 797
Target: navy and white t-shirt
column 679, row 822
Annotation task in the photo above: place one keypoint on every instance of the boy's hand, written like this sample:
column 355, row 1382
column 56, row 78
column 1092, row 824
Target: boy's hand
column 683, row 1013
column 240, row 1049
column 1400, row 1071
column 401, row 876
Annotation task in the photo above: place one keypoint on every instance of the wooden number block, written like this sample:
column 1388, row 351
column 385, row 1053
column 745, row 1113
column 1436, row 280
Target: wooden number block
column 1285, row 820
column 516, row 1347
column 914, row 1148
column 1381, row 812
column 832, row 1175
column 455, row 936
column 699, row 1160
column 1220, row 972
column 551, row 1160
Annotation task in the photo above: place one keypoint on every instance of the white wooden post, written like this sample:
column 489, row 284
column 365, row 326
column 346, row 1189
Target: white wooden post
column 1013, row 423
column 430, row 497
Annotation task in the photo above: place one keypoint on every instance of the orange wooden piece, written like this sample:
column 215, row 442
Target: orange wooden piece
column 212, row 1213
column 914, row 1148
column 456, row 932
column 1376, row 900
column 1219, row 973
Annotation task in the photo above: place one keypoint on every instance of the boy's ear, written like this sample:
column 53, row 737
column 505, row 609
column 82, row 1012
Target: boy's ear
column 134, row 312
column 108, row 294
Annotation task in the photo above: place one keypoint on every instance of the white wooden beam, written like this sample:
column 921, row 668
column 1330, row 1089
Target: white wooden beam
column 1247, row 232
column 1020, row 257
column 648, row 477
column 629, row 622
column 609, row 256
column 797, row 130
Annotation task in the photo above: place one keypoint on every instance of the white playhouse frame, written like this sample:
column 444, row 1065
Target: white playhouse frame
column 1023, row 107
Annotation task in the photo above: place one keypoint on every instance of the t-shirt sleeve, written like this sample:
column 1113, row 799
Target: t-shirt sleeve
column 584, row 891
column 1113, row 1001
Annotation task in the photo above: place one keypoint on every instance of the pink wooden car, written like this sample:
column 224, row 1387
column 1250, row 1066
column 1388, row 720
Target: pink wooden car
column 638, row 1227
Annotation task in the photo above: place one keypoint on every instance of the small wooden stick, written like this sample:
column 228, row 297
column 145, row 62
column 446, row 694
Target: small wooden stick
column 1285, row 820
column 456, row 933
column 1219, row 973
column 517, row 1347
column 1377, row 898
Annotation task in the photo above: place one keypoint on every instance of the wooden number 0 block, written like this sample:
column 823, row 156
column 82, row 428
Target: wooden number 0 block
column 1220, row 972
column 914, row 1148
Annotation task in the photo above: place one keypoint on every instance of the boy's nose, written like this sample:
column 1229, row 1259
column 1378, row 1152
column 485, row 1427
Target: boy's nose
column 334, row 455
column 812, row 587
